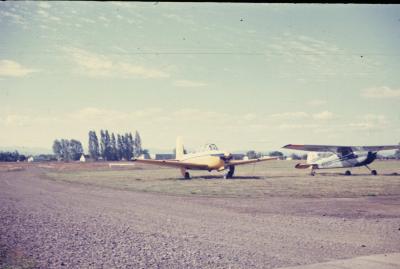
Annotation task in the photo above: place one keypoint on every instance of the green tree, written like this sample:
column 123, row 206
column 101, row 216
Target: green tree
column 276, row 154
column 120, row 147
column 107, row 146
column 129, row 146
column 102, row 144
column 57, row 149
column 114, row 150
column 93, row 146
column 137, row 145
column 75, row 149
column 295, row 156
column 251, row 154
column 65, row 151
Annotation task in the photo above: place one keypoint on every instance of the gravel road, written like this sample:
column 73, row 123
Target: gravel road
column 49, row 224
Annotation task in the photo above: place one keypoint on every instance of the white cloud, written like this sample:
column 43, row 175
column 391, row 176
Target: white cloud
column 289, row 115
column 178, row 18
column 98, row 65
column 15, row 17
column 16, row 120
column 44, row 4
column 286, row 126
column 102, row 18
column 54, row 18
column 370, row 122
column 189, row 83
column 380, row 92
column 135, row 70
column 10, row 68
column 317, row 102
column 93, row 114
column 324, row 115
column 43, row 13
column 87, row 20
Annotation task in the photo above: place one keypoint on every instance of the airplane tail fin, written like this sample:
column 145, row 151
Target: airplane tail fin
column 179, row 150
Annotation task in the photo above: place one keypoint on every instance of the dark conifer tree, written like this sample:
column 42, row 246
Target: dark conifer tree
column 114, row 151
column 120, row 147
column 93, row 146
column 102, row 144
column 137, row 145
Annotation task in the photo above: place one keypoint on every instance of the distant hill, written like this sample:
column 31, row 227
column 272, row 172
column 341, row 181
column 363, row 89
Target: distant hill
column 28, row 150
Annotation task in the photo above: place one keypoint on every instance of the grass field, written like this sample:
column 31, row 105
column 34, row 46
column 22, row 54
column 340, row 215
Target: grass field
column 274, row 178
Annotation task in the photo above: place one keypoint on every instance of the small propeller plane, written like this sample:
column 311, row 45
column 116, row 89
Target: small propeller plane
column 209, row 158
column 324, row 157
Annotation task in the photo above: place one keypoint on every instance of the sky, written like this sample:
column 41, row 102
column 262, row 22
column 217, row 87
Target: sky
column 240, row 75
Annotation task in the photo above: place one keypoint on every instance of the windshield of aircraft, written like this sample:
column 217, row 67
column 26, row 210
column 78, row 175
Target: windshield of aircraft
column 208, row 147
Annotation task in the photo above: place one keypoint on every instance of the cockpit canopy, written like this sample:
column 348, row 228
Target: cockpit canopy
column 209, row 147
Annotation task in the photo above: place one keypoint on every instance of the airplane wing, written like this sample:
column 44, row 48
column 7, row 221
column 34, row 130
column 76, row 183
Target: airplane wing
column 173, row 163
column 340, row 149
column 318, row 148
column 378, row 148
column 240, row 162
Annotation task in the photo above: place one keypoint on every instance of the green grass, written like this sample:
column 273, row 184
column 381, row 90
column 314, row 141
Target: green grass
column 275, row 178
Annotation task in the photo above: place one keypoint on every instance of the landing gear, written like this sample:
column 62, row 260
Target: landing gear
column 373, row 172
column 185, row 174
column 347, row 173
column 230, row 173
column 313, row 167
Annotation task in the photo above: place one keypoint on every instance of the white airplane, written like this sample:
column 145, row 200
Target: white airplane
column 210, row 158
column 324, row 157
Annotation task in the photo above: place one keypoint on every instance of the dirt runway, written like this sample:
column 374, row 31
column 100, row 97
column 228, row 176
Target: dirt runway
column 50, row 224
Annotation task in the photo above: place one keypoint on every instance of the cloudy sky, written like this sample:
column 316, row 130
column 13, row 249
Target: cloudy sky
column 244, row 76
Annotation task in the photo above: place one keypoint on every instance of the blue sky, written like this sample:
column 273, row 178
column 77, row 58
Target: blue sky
column 244, row 76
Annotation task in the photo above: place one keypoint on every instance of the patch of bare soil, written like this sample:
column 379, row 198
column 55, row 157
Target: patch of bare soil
column 51, row 224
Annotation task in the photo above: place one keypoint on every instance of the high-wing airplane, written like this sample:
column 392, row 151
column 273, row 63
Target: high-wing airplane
column 323, row 156
column 209, row 158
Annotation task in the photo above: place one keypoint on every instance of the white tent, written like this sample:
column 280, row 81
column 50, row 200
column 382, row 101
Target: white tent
column 82, row 159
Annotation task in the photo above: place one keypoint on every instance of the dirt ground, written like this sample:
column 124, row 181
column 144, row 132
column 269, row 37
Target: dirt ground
column 82, row 215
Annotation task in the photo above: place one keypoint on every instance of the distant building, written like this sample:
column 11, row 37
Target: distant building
column 144, row 156
column 30, row 159
column 166, row 156
column 238, row 156
column 82, row 159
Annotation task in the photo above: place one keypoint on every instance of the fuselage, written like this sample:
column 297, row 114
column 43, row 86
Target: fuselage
column 212, row 159
column 354, row 159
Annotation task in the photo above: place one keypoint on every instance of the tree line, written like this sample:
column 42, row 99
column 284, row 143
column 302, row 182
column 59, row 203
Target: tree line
column 251, row 154
column 109, row 147
column 8, row 156
column 67, row 150
column 114, row 147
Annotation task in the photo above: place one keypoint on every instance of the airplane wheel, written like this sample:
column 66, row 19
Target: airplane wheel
column 374, row 173
column 312, row 173
column 347, row 173
column 230, row 172
column 187, row 175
